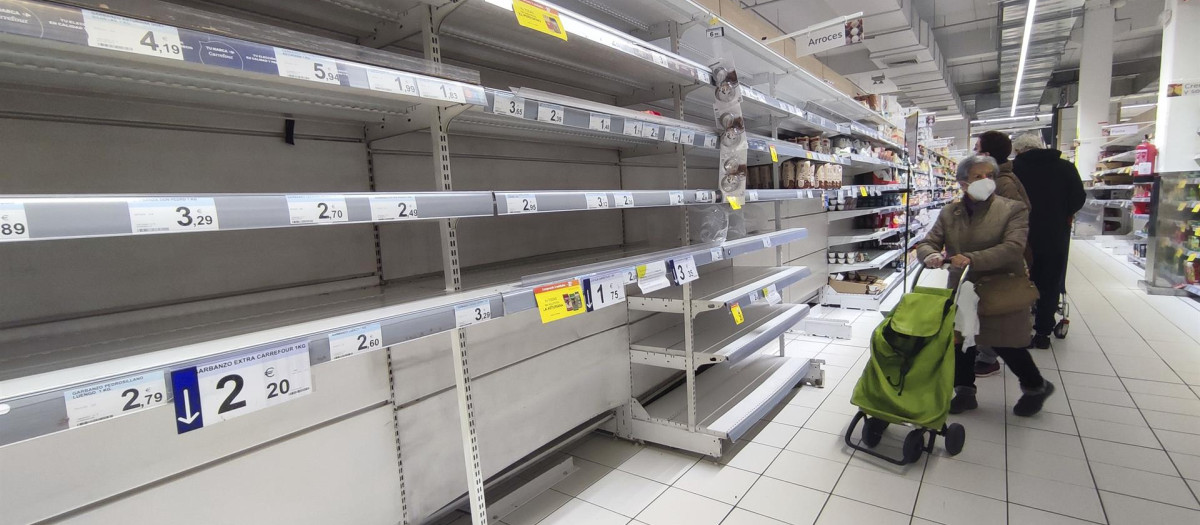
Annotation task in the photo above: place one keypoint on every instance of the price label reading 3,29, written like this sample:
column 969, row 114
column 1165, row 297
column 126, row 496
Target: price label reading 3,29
column 469, row 314
column 173, row 214
column 115, row 398
column 357, row 340
column 13, row 223
column 317, row 209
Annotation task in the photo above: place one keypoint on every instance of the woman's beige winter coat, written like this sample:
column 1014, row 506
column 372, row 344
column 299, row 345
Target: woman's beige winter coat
column 994, row 239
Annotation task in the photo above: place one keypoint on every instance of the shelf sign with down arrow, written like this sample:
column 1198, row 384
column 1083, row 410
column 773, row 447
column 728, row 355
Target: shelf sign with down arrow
column 229, row 387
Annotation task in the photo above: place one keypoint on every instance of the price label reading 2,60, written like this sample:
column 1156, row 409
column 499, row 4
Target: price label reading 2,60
column 357, row 340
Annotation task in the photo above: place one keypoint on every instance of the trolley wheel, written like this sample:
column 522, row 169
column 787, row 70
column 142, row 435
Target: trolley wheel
column 872, row 431
column 914, row 444
column 956, row 436
column 1060, row 329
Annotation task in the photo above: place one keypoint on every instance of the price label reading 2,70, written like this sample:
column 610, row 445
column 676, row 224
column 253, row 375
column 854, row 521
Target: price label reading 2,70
column 317, row 209
column 217, row 391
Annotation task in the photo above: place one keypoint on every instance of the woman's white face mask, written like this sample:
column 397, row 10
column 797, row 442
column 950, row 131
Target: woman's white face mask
column 981, row 189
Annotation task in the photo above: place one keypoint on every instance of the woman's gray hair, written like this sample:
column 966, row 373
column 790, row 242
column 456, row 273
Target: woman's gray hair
column 1027, row 141
column 964, row 167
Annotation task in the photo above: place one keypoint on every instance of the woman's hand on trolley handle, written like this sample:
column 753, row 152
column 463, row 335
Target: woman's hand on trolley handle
column 934, row 260
column 960, row 261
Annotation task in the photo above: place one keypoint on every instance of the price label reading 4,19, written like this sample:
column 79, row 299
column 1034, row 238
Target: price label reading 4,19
column 394, row 208
column 132, row 36
column 684, row 270
column 13, row 223
column 550, row 113
column 231, row 387
column 173, row 214
column 599, row 122
column 508, row 105
column 115, row 398
column 317, row 209
column 596, row 201
column 469, row 314
column 605, row 290
column 521, row 203
column 357, row 340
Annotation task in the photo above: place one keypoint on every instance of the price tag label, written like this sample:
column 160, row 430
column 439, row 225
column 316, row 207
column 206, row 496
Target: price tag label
column 633, row 128
column 733, row 202
column 521, row 203
column 304, row 66
column 650, row 131
column 393, row 208
column 441, row 90
column 623, row 199
column 173, row 214
column 1196, row 208
column 738, row 316
column 469, row 314
column 774, row 154
column 357, row 340
column 560, row 300
column 751, row 196
column 1191, row 257
column 550, row 113
column 710, row 141
column 605, row 291
column 596, row 201
column 631, row 275
column 115, row 398
column 600, row 122
column 232, row 387
column 705, row 196
column 509, row 105
column 131, row 36
column 862, row 190
column 317, row 209
column 13, row 223
column 390, row 82
column 771, row 294
column 684, row 270
column 676, row 198
column 659, row 59
column 672, row 135
column 687, row 137
column 717, row 254
column 653, row 276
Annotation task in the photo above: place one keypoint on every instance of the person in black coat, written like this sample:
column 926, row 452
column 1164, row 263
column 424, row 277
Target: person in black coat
column 1055, row 194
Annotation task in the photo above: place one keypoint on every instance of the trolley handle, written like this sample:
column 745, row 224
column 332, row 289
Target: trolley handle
column 945, row 266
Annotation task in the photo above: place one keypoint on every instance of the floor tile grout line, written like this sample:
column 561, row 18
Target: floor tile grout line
column 1153, row 431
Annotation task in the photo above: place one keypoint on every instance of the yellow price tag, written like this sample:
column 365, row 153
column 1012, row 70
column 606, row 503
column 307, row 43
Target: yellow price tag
column 1196, row 208
column 559, row 300
column 1197, row 232
column 774, row 154
column 862, row 190
column 1191, row 257
column 738, row 316
column 641, row 271
column 1182, row 205
column 733, row 202
column 1182, row 183
column 539, row 18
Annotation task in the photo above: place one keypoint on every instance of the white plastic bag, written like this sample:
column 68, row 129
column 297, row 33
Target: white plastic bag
column 966, row 321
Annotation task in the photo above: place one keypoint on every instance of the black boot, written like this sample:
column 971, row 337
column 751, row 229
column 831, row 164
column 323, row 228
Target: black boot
column 1032, row 400
column 1040, row 342
column 964, row 400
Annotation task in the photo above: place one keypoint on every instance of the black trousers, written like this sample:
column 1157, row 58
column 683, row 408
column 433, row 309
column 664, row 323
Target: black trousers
column 1017, row 359
column 1047, row 273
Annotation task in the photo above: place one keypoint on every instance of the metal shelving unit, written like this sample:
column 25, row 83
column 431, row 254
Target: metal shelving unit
column 719, row 339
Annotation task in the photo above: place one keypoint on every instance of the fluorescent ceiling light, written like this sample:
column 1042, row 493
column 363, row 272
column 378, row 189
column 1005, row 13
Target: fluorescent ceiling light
column 1030, row 118
column 947, row 118
column 1029, row 11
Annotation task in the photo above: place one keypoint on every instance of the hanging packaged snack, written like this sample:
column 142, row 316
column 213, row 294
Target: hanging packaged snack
column 728, row 111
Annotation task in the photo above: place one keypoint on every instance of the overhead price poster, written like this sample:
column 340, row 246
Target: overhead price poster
column 539, row 18
column 559, row 300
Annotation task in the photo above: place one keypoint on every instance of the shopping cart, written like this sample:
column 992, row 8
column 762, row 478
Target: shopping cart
column 909, row 378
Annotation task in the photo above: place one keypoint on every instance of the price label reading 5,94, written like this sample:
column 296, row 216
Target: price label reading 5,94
column 173, row 214
column 317, row 209
column 13, row 223
column 469, row 314
column 305, row 66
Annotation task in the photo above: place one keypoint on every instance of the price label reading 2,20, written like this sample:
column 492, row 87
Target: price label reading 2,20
column 217, row 391
column 317, row 209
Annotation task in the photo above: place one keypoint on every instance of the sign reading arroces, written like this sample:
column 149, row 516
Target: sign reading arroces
column 216, row 391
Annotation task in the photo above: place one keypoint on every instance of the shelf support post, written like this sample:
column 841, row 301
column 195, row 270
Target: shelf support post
column 439, row 123
column 689, row 319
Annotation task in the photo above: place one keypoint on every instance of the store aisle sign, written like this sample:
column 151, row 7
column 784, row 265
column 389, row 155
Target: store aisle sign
column 13, row 223
column 173, row 214
column 851, row 32
column 231, row 387
column 114, row 398
column 539, row 18
column 560, row 300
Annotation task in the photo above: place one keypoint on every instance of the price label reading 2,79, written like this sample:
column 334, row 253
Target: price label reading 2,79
column 114, row 398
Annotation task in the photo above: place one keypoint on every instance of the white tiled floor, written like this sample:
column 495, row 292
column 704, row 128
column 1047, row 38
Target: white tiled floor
column 1119, row 443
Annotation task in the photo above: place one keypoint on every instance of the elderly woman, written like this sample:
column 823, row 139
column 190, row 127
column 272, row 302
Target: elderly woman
column 988, row 233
